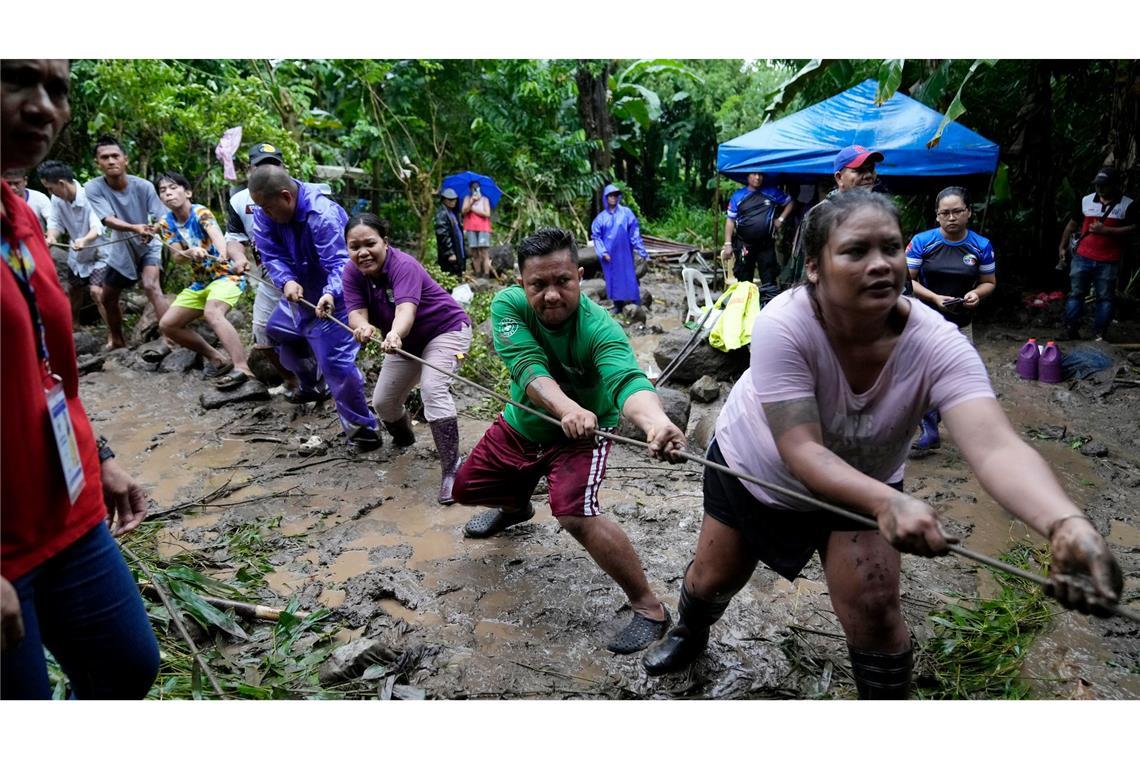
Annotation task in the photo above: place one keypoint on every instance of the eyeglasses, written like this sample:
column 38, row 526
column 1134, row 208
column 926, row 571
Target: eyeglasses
column 948, row 213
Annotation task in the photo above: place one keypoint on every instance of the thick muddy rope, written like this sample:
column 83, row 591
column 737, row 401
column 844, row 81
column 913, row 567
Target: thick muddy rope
column 858, row 517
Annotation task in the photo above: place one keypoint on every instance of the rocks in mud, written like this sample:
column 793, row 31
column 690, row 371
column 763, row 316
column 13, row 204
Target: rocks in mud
column 1134, row 358
column 154, row 351
column 705, row 390
column 502, row 258
column 704, row 359
column 634, row 313
column 91, row 364
column 351, row 660
column 647, row 298
column 180, row 360
column 86, row 343
column 261, row 364
column 676, row 405
column 251, row 390
column 702, row 423
column 594, row 289
column 146, row 329
column 1094, row 449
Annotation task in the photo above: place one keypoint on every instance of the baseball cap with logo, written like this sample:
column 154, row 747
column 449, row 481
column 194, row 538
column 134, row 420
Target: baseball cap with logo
column 854, row 156
column 263, row 152
column 1107, row 175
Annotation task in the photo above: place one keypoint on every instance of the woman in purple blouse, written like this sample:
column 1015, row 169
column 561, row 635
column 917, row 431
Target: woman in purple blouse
column 386, row 289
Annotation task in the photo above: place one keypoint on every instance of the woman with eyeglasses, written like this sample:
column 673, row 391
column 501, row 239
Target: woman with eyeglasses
column 952, row 269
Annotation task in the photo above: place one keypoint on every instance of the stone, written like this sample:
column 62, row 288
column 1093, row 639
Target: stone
column 640, row 267
column 154, row 351
column 261, row 364
column 702, row 423
column 1134, row 358
column 647, row 298
column 250, row 390
column 202, row 327
column 351, row 660
column 594, row 289
column 236, row 318
column 676, row 404
column 180, row 360
column 634, row 313
column 502, row 258
column 90, row 364
column 146, row 328
column 704, row 359
column 483, row 285
column 86, row 343
column 705, row 390
column 1094, row 449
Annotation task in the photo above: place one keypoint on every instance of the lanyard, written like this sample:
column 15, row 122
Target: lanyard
column 18, row 260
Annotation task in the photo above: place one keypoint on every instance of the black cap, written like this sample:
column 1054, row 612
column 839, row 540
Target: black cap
column 1107, row 176
column 263, row 152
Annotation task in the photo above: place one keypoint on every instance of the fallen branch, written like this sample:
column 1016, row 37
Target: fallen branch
column 176, row 618
column 252, row 499
column 244, row 609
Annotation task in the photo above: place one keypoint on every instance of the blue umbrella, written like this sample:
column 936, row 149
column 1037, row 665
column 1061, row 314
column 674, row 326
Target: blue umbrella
column 461, row 184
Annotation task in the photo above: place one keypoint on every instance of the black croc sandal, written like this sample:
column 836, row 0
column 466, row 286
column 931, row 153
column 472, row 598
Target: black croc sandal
column 640, row 633
column 211, row 371
column 487, row 524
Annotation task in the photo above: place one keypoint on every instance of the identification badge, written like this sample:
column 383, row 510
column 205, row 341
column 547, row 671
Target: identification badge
column 65, row 439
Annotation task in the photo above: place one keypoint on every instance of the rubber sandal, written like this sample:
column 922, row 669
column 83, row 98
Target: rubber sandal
column 639, row 633
column 304, row 396
column 492, row 521
column 231, row 380
column 210, row 371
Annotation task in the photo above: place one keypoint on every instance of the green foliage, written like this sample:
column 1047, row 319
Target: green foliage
column 977, row 648
column 686, row 224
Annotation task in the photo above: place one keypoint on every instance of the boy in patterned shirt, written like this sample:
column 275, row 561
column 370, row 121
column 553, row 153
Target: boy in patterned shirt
column 192, row 232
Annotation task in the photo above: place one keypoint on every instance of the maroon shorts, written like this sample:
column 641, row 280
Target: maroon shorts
column 504, row 467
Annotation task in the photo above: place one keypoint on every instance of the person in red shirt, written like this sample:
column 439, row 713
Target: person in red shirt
column 65, row 585
column 1106, row 220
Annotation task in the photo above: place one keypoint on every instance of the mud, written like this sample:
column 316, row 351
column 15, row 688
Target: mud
column 527, row 614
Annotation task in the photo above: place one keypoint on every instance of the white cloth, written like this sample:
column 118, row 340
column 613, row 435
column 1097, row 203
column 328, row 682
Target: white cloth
column 76, row 218
column 39, row 203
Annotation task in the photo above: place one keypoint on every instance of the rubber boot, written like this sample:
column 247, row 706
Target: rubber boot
column 928, row 439
column 401, row 431
column 685, row 642
column 446, row 435
column 882, row 676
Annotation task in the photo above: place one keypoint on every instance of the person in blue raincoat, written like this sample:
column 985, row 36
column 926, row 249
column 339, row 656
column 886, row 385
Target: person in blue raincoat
column 617, row 237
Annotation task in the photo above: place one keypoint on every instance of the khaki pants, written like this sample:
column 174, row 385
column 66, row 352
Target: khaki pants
column 399, row 375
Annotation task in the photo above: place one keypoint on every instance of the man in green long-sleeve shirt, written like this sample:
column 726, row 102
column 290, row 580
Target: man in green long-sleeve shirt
column 570, row 360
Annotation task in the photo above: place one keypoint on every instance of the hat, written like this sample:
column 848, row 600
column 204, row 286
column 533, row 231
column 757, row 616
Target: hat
column 1107, row 175
column 263, row 152
column 854, row 156
column 448, row 194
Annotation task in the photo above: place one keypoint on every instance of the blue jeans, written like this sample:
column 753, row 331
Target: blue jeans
column 84, row 606
column 1102, row 276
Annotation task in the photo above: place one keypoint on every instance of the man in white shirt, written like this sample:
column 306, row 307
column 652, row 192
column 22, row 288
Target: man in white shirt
column 17, row 179
column 70, row 214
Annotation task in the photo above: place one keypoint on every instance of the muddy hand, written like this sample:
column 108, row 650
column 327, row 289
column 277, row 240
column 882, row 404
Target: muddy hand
column 126, row 499
column 293, row 291
column 580, row 423
column 1084, row 575
column 666, row 441
column 911, row 525
column 325, row 306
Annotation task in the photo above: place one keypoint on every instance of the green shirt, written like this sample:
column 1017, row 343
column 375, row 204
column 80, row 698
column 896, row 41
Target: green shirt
column 589, row 357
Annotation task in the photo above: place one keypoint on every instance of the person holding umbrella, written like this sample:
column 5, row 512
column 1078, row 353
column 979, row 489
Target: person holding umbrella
column 477, row 228
column 617, row 236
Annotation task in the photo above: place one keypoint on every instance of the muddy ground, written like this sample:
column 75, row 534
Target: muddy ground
column 527, row 613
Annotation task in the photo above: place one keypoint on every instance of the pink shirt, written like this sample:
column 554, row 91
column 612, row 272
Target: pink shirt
column 933, row 366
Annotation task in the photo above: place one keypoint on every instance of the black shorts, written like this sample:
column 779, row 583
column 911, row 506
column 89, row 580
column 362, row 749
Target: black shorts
column 783, row 539
column 117, row 279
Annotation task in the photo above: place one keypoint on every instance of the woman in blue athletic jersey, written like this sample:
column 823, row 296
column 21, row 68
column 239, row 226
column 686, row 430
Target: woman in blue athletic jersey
column 952, row 270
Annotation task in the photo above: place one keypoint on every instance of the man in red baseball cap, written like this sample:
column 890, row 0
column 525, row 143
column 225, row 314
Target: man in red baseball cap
column 854, row 166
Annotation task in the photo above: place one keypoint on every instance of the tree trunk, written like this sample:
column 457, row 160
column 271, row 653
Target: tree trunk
column 1124, row 119
column 592, row 78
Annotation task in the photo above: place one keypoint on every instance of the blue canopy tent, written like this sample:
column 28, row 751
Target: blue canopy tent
column 800, row 147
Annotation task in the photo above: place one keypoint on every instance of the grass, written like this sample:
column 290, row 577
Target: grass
column 686, row 224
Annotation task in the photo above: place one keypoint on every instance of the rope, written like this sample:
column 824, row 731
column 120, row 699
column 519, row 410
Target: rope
column 67, row 247
column 983, row 559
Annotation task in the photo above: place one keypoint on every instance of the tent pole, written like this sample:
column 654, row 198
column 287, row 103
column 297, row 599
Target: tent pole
column 989, row 192
column 716, row 214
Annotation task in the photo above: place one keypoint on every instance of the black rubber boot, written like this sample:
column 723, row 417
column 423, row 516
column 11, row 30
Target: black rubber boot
column 882, row 676
column 446, row 435
column 401, row 431
column 688, row 639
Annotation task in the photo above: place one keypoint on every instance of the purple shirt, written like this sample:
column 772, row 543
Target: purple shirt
column 404, row 280
column 933, row 366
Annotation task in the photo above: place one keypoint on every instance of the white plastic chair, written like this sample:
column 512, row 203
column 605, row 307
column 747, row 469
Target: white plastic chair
column 691, row 276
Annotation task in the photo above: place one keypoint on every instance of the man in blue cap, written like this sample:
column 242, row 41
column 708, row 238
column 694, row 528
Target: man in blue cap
column 617, row 236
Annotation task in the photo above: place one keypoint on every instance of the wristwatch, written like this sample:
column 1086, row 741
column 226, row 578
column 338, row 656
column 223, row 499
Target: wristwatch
column 105, row 451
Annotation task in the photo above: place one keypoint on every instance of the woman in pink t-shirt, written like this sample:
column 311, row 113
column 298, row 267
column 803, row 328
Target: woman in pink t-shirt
column 476, row 213
column 843, row 367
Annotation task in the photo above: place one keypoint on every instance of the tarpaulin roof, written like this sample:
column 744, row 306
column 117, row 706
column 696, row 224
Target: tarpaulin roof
column 802, row 146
